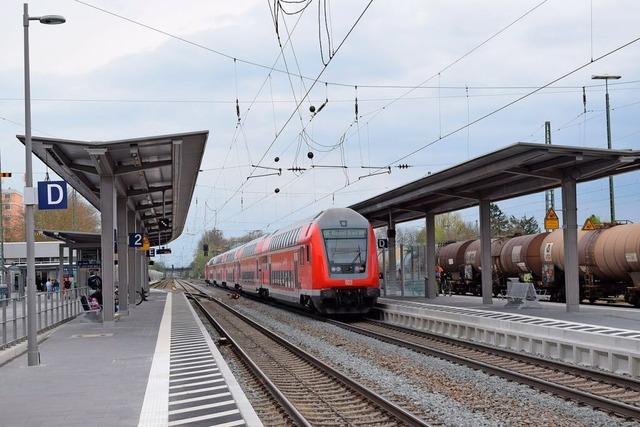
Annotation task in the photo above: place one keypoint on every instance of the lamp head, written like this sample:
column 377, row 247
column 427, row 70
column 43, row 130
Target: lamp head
column 52, row 19
column 605, row 77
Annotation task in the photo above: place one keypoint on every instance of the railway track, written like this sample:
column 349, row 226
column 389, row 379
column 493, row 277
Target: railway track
column 310, row 391
column 610, row 393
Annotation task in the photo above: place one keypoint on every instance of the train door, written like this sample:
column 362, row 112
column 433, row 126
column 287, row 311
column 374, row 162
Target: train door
column 263, row 270
column 296, row 281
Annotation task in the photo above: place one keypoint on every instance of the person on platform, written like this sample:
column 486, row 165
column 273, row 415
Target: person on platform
column 48, row 285
column 94, row 282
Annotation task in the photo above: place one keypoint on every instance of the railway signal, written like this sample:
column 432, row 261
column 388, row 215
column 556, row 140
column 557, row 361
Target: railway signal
column 205, row 249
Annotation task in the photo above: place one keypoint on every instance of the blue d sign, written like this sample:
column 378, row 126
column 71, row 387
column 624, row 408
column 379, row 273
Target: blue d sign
column 52, row 195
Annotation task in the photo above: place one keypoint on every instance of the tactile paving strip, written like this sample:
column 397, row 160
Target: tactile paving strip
column 198, row 393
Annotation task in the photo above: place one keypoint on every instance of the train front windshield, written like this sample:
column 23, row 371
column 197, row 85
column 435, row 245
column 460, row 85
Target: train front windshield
column 346, row 250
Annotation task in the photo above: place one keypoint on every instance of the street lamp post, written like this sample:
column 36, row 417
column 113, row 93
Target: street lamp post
column 606, row 78
column 29, row 193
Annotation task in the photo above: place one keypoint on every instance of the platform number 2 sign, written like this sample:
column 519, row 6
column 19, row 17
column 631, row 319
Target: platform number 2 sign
column 136, row 240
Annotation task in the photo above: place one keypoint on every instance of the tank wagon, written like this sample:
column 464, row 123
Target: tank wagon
column 327, row 263
column 608, row 257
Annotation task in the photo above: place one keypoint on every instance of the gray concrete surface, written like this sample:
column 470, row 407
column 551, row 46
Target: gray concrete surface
column 90, row 373
column 613, row 317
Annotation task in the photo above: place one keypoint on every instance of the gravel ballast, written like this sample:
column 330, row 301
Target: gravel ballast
column 447, row 393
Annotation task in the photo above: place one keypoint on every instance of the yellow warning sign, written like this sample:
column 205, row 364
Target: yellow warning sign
column 145, row 243
column 588, row 225
column 551, row 221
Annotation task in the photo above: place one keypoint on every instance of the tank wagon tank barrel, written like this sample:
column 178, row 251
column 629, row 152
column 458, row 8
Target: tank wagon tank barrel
column 609, row 260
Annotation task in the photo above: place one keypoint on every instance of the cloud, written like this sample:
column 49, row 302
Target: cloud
column 97, row 62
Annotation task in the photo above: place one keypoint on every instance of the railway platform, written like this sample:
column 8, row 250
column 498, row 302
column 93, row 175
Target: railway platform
column 155, row 367
column 599, row 337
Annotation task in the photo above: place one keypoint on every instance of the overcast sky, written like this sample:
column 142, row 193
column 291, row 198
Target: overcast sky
column 100, row 77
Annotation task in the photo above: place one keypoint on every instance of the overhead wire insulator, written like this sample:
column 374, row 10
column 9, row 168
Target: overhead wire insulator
column 238, row 109
column 584, row 100
column 356, row 105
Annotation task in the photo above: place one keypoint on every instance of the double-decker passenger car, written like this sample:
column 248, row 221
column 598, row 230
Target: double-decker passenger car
column 327, row 263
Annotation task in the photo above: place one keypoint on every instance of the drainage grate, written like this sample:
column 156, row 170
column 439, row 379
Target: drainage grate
column 198, row 393
column 103, row 335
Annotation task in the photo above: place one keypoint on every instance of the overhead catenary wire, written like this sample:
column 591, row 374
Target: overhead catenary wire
column 483, row 117
column 293, row 113
column 255, row 63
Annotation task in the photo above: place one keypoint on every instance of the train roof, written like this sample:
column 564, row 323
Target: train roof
column 326, row 216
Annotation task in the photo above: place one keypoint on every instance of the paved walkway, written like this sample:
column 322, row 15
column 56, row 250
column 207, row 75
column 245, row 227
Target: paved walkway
column 155, row 367
column 90, row 374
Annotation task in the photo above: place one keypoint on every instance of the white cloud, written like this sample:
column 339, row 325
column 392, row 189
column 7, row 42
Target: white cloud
column 97, row 56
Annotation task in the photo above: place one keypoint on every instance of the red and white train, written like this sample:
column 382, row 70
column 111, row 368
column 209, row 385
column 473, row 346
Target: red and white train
column 327, row 263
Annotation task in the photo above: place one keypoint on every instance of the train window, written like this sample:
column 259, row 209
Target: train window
column 308, row 257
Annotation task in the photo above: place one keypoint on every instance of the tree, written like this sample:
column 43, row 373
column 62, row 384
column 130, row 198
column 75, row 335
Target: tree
column 158, row 266
column 79, row 216
column 450, row 227
column 524, row 225
column 499, row 221
column 217, row 245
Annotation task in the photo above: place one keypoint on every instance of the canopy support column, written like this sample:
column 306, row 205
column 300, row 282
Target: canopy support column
column 131, row 260
column 72, row 272
column 61, row 265
column 107, row 208
column 485, row 252
column 391, row 279
column 570, row 235
column 430, row 290
column 123, row 264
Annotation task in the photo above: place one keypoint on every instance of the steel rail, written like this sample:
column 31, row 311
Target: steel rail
column 592, row 373
column 275, row 392
column 600, row 402
column 388, row 406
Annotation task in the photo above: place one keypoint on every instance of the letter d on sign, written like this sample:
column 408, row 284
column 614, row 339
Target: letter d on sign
column 52, row 195
column 51, row 190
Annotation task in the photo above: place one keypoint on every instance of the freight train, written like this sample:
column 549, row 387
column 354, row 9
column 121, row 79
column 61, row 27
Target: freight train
column 608, row 258
column 327, row 263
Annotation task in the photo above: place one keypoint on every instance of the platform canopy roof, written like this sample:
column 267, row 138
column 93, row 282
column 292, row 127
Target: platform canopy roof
column 156, row 174
column 513, row 171
column 73, row 238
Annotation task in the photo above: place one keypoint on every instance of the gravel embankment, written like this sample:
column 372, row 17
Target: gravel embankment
column 450, row 394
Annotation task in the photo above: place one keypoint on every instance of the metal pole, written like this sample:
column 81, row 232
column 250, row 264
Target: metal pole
column 430, row 256
column 612, row 206
column 485, row 251
column 32, row 340
column 549, row 196
column 2, row 272
column 570, row 236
